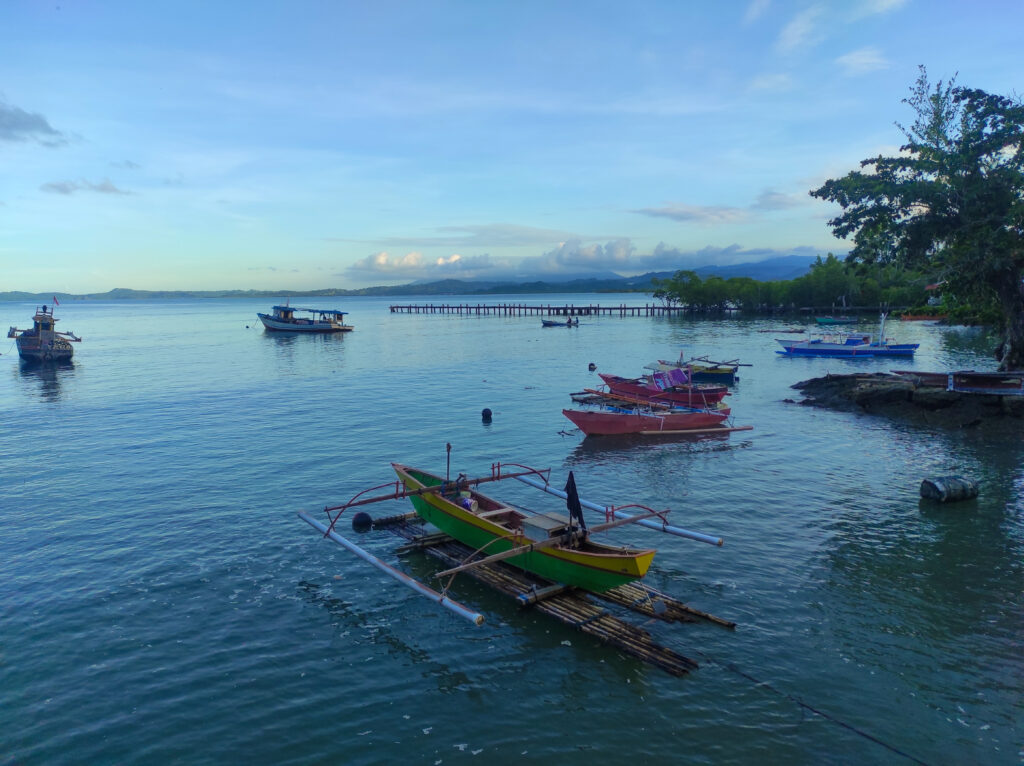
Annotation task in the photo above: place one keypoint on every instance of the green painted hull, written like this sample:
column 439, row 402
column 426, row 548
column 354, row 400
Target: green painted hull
column 568, row 567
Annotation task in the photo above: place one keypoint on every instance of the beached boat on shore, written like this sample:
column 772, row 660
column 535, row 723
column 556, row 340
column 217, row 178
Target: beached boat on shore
column 43, row 342
column 969, row 381
column 320, row 320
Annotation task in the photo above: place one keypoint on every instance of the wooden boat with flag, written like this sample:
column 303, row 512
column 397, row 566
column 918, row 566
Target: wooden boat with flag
column 670, row 386
column 545, row 560
column 700, row 369
column 552, row 545
column 43, row 342
column 319, row 320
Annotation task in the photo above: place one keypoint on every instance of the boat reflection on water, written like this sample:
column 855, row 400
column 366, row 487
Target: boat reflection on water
column 627, row 446
column 45, row 377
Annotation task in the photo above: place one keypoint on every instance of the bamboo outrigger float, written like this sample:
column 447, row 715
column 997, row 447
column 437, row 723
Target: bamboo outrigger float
column 544, row 560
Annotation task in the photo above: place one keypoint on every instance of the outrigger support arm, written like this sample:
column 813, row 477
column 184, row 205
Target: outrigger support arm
column 400, row 492
column 453, row 606
column 644, row 522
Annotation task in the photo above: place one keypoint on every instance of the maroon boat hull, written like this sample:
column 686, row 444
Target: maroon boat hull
column 605, row 423
column 687, row 396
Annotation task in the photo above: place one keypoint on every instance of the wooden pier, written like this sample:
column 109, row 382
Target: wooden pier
column 571, row 606
column 540, row 310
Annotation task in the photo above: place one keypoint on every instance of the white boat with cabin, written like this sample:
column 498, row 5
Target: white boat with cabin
column 319, row 320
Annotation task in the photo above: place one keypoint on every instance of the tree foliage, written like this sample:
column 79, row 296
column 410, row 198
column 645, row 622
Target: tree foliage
column 830, row 282
column 951, row 203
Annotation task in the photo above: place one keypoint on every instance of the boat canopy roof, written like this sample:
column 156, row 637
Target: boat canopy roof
column 332, row 312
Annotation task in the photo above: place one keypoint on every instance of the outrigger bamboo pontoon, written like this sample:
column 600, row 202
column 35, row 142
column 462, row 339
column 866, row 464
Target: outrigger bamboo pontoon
column 551, row 558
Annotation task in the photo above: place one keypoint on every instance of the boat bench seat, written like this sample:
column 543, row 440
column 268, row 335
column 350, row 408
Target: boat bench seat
column 496, row 512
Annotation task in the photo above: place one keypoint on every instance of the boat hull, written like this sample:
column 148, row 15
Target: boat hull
column 835, row 320
column 32, row 349
column 594, row 567
column 818, row 347
column 302, row 325
column 726, row 376
column 610, row 423
column 970, row 381
column 687, row 396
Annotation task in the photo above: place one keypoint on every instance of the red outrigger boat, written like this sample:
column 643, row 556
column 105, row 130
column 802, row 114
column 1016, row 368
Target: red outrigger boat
column 660, row 387
column 612, row 421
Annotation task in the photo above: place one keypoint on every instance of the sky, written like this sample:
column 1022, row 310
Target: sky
column 197, row 145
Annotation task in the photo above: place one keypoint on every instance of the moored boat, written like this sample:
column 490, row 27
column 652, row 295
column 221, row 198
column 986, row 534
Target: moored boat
column 848, row 345
column 551, row 547
column 700, row 369
column 570, row 322
column 319, row 320
column 831, row 320
column 610, row 420
column 594, row 397
column 43, row 342
column 664, row 387
column 969, row 381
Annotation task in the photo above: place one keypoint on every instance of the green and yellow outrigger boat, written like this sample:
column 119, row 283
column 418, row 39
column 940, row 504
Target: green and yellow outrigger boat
column 550, row 545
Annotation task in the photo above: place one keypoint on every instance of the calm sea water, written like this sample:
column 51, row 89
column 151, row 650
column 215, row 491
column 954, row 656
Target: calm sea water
column 161, row 602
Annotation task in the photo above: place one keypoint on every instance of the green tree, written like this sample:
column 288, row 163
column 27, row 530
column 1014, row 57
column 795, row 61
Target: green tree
column 951, row 204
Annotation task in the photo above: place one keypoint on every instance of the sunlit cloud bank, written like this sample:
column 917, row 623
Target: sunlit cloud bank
column 572, row 258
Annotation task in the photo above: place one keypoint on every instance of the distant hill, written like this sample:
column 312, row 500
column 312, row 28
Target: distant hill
column 784, row 268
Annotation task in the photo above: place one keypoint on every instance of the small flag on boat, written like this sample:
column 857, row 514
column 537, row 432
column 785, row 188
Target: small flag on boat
column 55, row 301
column 572, row 502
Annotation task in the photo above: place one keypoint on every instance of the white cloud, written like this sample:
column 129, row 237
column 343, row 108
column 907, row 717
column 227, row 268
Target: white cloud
column 70, row 187
column 800, row 32
column 697, row 213
column 770, row 199
column 862, row 61
column 874, row 7
column 485, row 236
column 755, row 10
column 771, row 82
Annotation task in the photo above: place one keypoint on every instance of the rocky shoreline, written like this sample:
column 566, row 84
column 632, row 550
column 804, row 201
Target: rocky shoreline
column 896, row 396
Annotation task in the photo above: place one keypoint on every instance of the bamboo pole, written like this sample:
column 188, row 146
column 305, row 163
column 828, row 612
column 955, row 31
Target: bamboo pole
column 643, row 521
column 424, row 590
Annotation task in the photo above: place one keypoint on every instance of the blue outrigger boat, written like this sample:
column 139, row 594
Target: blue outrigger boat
column 847, row 346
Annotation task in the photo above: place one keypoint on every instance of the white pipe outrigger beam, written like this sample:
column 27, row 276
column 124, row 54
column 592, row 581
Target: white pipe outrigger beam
column 661, row 526
column 402, row 577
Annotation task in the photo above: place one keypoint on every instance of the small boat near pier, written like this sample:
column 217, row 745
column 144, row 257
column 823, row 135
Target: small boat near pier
column 319, row 320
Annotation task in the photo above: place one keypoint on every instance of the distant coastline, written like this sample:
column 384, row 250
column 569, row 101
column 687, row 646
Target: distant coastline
column 784, row 268
column 123, row 294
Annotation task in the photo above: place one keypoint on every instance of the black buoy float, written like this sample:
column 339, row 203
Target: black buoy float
column 362, row 522
column 486, row 415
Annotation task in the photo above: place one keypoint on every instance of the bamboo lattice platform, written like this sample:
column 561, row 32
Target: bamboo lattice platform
column 571, row 606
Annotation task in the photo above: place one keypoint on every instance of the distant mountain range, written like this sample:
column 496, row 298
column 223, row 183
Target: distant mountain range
column 773, row 269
